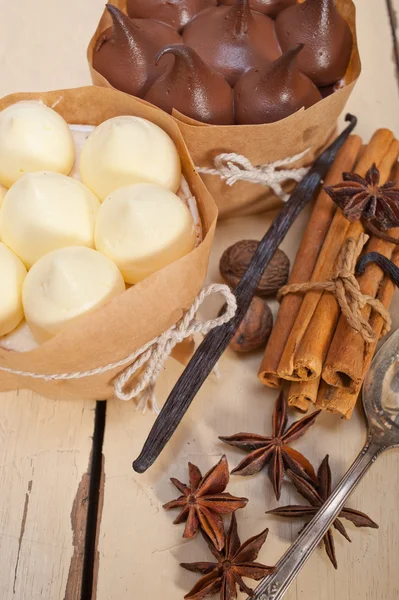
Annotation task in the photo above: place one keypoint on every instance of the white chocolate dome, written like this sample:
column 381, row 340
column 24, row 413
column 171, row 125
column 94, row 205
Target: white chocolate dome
column 33, row 138
column 12, row 275
column 143, row 228
column 45, row 211
column 128, row 150
column 65, row 285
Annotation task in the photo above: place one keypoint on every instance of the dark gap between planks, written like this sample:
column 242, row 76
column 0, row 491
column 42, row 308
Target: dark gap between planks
column 89, row 560
column 393, row 20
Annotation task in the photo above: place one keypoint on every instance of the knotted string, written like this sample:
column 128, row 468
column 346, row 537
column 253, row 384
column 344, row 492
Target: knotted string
column 344, row 286
column 153, row 354
column 234, row 167
column 156, row 352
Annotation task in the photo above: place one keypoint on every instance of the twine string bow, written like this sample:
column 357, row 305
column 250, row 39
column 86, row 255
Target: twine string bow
column 153, row 354
column 346, row 289
column 232, row 167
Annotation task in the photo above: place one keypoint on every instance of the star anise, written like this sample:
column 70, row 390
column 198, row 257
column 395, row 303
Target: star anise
column 203, row 502
column 233, row 563
column 363, row 198
column 274, row 450
column 316, row 495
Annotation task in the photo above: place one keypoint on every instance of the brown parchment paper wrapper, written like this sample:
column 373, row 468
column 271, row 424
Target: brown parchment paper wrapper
column 145, row 310
column 312, row 128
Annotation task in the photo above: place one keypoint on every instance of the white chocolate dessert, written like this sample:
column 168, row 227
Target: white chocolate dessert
column 33, row 137
column 12, row 276
column 45, row 211
column 127, row 150
column 66, row 284
column 143, row 228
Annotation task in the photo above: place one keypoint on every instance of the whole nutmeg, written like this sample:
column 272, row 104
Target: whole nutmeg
column 235, row 261
column 255, row 329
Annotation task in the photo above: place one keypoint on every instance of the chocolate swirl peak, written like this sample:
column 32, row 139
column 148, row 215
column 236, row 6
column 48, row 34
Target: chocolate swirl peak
column 326, row 35
column 176, row 13
column 125, row 53
column 233, row 39
column 192, row 88
column 267, row 7
column 271, row 93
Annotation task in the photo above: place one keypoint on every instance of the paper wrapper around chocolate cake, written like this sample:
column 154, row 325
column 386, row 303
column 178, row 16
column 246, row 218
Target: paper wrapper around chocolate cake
column 306, row 130
column 145, row 310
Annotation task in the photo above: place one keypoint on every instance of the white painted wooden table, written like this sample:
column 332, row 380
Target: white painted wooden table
column 45, row 446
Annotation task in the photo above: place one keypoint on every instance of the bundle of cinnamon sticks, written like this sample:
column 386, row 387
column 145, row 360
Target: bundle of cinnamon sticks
column 313, row 350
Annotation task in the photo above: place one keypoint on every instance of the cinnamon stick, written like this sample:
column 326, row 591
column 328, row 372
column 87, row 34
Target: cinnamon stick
column 345, row 359
column 385, row 295
column 305, row 261
column 338, row 401
column 316, row 342
column 344, row 366
column 341, row 400
column 301, row 394
column 377, row 150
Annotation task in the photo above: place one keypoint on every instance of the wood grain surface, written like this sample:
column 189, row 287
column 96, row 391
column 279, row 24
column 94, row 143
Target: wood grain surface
column 44, row 480
column 46, row 446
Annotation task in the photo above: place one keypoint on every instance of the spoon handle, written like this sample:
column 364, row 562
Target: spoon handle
column 275, row 586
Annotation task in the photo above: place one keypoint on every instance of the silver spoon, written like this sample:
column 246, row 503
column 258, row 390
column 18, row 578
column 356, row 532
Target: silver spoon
column 381, row 405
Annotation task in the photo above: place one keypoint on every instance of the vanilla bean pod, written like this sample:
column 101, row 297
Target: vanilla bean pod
column 383, row 262
column 213, row 346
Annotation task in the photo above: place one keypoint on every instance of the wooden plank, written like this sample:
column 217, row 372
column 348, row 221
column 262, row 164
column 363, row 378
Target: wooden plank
column 139, row 548
column 44, row 458
column 148, row 544
column 136, row 538
column 45, row 445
